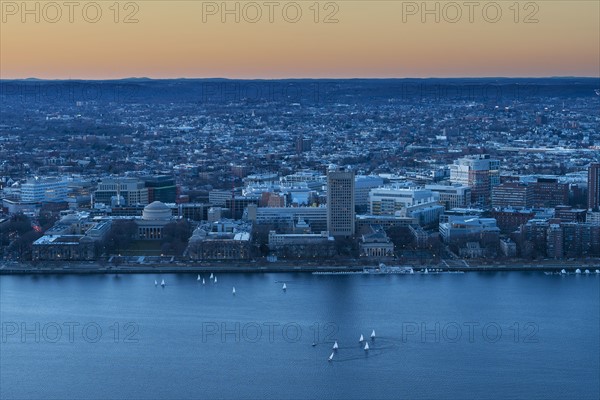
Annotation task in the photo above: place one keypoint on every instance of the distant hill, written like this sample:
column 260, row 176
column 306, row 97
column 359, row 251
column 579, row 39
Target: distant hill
column 307, row 91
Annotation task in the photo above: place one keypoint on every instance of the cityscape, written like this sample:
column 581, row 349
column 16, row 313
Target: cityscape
column 297, row 200
column 433, row 173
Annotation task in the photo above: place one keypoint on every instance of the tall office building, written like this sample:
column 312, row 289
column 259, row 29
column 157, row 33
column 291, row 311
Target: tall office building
column 161, row 188
column 340, row 202
column 480, row 172
column 594, row 186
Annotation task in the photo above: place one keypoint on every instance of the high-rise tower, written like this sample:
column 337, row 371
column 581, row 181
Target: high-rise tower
column 340, row 202
column 594, row 186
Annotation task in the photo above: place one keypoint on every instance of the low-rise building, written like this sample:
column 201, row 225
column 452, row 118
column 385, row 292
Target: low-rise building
column 451, row 196
column 508, row 248
column 40, row 190
column 376, row 244
column 459, row 227
column 221, row 240
column 75, row 237
column 302, row 245
column 471, row 250
column 513, row 194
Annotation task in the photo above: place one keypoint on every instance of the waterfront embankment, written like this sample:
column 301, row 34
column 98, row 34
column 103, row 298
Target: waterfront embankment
column 15, row 268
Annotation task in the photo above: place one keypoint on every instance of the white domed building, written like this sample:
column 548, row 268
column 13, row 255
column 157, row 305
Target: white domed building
column 155, row 217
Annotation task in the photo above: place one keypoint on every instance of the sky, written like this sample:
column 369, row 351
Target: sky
column 302, row 39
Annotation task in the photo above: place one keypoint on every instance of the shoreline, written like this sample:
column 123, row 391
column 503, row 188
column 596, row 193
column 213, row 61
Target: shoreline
column 280, row 267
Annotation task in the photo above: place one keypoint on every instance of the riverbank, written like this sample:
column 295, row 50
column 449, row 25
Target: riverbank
column 349, row 266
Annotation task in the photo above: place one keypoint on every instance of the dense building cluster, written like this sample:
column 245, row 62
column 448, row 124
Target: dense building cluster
column 364, row 171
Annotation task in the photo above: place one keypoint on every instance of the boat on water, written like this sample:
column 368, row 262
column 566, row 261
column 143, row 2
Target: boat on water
column 330, row 357
column 587, row 271
column 362, row 339
column 563, row 271
column 426, row 271
column 367, row 346
column 203, row 281
column 215, row 281
column 155, row 283
column 598, row 271
column 198, row 278
column 383, row 269
column 233, row 291
column 577, row 271
column 284, row 287
column 335, row 345
column 162, row 283
column 373, row 335
column 211, row 275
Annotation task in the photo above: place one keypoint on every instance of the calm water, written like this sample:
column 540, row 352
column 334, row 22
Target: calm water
column 502, row 335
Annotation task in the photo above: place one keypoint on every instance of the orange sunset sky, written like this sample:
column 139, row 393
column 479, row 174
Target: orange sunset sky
column 174, row 39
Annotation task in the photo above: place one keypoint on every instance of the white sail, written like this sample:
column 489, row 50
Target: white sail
column 203, row 281
column 335, row 345
column 155, row 283
column 330, row 357
column 284, row 286
column 215, row 279
column 211, row 275
column 233, row 291
column 587, row 271
column 198, row 278
column 361, row 338
column 366, row 346
column 426, row 271
column 162, row 283
column 577, row 271
column 563, row 271
column 373, row 334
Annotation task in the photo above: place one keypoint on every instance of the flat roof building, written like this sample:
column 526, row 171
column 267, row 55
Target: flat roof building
column 340, row 202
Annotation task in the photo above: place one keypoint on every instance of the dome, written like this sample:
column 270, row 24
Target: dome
column 157, row 205
column 156, row 210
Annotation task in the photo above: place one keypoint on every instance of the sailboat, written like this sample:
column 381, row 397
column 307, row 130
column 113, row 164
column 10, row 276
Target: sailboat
column 233, row 291
column 198, row 277
column 563, row 271
column 203, row 281
column 284, row 287
column 373, row 335
column 330, row 357
column 426, row 271
column 335, row 345
column 162, row 283
column 211, row 275
column 215, row 279
column 155, row 283
column 362, row 339
column 366, row 346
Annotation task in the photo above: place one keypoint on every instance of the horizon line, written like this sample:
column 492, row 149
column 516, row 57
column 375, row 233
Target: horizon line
column 300, row 78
